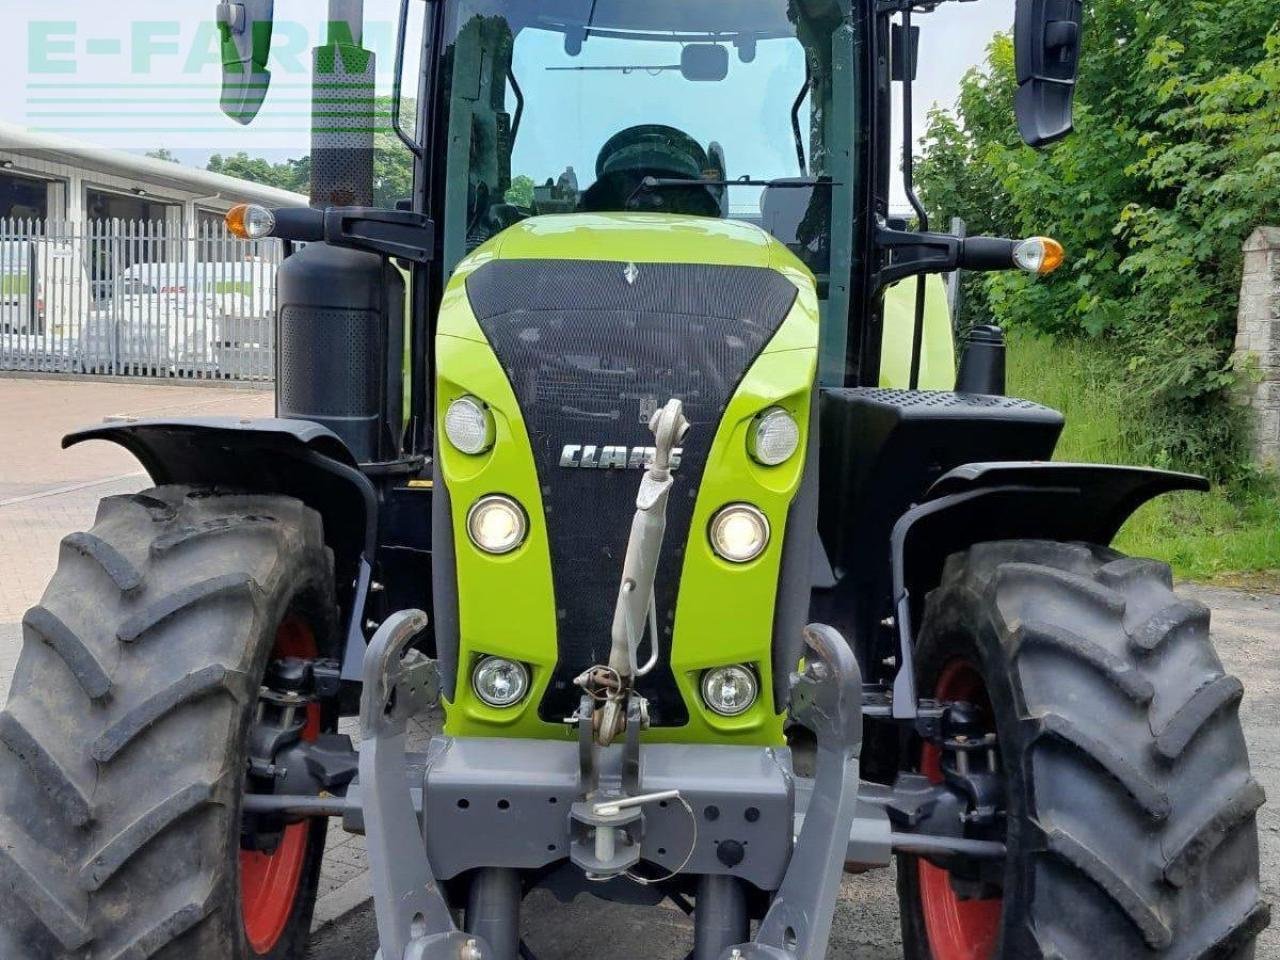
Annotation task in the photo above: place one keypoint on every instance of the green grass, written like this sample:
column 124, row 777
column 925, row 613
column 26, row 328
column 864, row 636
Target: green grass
column 1232, row 532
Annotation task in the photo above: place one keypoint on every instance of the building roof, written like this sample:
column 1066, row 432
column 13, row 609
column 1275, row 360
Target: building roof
column 158, row 172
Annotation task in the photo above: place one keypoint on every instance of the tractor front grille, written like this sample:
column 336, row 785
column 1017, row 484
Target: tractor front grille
column 590, row 356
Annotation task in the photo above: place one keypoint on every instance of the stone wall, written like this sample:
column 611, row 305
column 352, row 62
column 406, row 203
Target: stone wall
column 1258, row 341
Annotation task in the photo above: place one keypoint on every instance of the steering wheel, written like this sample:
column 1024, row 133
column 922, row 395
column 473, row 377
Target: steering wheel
column 651, row 150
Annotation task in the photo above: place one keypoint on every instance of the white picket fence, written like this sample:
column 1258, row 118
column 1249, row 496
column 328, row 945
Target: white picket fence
column 136, row 299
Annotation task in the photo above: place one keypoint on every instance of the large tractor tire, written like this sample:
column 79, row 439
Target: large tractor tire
column 125, row 738
column 1130, row 806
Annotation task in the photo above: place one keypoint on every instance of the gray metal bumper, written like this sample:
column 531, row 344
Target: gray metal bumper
column 506, row 803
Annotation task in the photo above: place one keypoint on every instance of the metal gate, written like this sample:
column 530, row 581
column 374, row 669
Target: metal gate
column 136, row 299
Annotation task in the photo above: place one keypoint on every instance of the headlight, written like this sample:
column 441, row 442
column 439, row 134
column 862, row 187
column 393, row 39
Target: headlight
column 739, row 533
column 497, row 524
column 500, row 682
column 773, row 437
column 729, row 691
column 469, row 425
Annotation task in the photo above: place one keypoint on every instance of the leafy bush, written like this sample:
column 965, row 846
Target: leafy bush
column 1175, row 160
column 1234, row 529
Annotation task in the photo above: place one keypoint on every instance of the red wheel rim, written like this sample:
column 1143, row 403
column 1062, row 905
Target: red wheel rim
column 269, row 883
column 957, row 929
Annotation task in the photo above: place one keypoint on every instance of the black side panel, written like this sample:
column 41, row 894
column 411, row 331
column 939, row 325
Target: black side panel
column 881, row 451
column 796, row 574
column 590, row 356
column 444, row 583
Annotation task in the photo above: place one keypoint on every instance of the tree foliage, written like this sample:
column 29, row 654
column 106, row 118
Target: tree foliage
column 292, row 175
column 1175, row 160
column 392, row 164
column 521, row 191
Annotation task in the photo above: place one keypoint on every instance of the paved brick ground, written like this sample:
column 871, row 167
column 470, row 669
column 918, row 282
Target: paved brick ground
column 46, row 492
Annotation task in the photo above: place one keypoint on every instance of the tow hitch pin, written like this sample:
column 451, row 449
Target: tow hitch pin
column 606, row 837
column 611, row 808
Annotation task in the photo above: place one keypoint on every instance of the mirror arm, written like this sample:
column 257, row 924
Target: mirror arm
column 908, row 183
column 910, row 253
column 396, row 234
column 515, row 88
column 397, row 86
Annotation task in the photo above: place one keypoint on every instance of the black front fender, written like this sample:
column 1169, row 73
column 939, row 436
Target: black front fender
column 981, row 502
column 296, row 458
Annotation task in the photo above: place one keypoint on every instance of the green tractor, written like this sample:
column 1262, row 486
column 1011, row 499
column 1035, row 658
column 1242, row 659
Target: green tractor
column 727, row 580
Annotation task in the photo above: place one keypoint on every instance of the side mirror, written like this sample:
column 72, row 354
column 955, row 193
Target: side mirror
column 704, row 61
column 245, row 26
column 1047, row 43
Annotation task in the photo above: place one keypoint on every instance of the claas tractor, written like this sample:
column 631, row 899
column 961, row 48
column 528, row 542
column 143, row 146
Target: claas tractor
column 636, row 440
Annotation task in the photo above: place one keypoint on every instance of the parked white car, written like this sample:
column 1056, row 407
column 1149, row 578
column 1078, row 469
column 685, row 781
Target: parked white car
column 190, row 317
column 44, row 288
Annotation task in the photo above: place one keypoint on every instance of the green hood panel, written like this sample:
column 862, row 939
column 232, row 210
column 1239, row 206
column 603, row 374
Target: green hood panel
column 724, row 614
column 638, row 238
column 651, row 237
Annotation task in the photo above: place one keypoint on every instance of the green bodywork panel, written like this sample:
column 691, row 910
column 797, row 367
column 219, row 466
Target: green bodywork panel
column 938, row 358
column 724, row 615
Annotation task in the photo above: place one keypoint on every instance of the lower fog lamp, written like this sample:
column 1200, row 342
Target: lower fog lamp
column 500, row 682
column 729, row 691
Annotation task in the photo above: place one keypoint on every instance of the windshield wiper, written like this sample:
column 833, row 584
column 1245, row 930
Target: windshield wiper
column 662, row 183
column 653, row 69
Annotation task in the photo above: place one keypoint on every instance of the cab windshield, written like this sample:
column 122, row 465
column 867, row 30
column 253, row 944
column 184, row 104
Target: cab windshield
column 567, row 106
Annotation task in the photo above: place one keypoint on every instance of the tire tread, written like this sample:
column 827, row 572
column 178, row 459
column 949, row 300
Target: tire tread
column 69, row 799
column 205, row 682
column 117, row 816
column 1135, row 802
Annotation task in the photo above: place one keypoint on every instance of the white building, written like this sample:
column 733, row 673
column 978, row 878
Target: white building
column 116, row 263
column 53, row 178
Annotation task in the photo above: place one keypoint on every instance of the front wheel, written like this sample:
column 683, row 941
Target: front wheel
column 127, row 736
column 1128, row 805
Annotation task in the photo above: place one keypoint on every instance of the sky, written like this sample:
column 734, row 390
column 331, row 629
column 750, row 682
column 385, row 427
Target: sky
column 150, row 80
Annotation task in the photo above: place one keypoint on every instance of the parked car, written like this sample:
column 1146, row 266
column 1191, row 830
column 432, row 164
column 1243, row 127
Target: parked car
column 189, row 318
column 44, row 287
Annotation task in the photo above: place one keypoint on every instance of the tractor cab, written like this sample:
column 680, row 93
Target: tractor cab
column 727, row 111
column 588, row 108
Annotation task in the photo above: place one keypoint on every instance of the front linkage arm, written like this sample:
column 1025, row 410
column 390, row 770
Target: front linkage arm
column 827, row 699
column 414, row 922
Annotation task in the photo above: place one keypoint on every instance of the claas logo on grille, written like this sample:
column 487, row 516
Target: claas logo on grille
column 578, row 456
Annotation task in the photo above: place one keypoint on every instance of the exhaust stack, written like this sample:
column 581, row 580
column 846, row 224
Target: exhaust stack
column 343, row 112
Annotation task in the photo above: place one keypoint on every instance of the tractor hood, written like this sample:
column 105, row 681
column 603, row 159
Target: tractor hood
column 637, row 238
column 653, row 237
column 572, row 330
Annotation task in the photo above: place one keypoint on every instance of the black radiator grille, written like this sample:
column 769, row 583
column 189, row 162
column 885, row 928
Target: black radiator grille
column 590, row 356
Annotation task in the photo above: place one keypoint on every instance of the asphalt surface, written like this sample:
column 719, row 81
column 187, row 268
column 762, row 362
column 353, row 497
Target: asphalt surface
column 866, row 928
